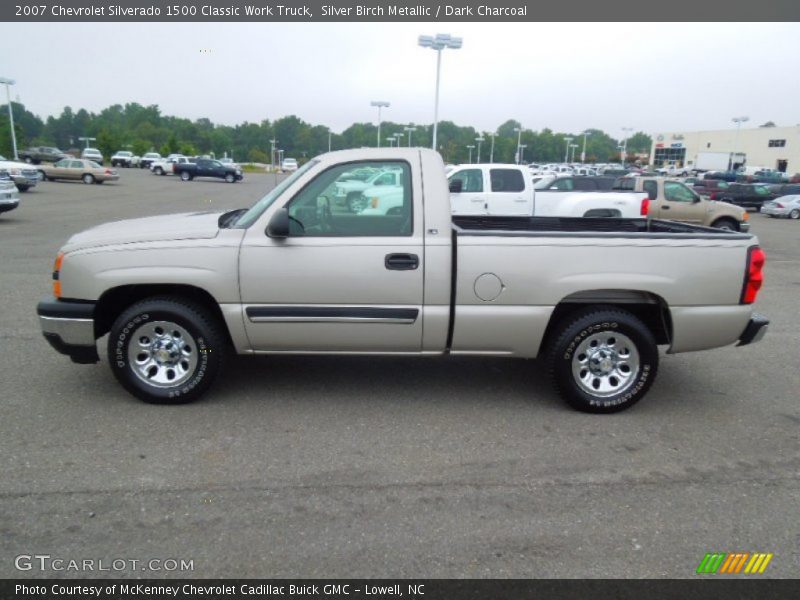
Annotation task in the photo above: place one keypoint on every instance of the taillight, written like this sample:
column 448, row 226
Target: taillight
column 754, row 275
column 108, row 171
column 645, row 208
column 57, row 275
column 778, row 205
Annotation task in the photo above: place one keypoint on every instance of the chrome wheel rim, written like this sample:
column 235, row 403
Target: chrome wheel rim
column 357, row 205
column 163, row 354
column 605, row 364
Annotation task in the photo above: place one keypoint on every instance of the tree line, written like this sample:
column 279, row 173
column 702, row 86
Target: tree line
column 143, row 129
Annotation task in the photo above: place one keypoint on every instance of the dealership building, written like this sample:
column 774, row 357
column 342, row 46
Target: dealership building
column 775, row 148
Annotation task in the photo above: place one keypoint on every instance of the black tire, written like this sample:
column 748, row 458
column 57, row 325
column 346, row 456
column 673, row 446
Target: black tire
column 158, row 171
column 29, row 160
column 616, row 331
column 795, row 214
column 230, row 178
column 23, row 188
column 728, row 224
column 203, row 354
column 186, row 176
column 88, row 178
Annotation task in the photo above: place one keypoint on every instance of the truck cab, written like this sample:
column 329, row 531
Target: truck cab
column 491, row 189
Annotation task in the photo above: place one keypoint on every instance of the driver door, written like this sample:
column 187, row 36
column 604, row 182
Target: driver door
column 680, row 204
column 340, row 282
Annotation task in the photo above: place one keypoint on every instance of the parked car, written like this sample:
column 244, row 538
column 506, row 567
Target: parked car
column 78, row 169
column 729, row 176
column 769, row 176
column 673, row 200
column 710, row 187
column 123, row 158
column 784, row 206
column 228, row 162
column 9, row 196
column 23, row 175
column 206, row 167
column 594, row 297
column 289, row 164
column 148, row 158
column 92, row 154
column 746, row 195
column 40, row 154
column 784, row 189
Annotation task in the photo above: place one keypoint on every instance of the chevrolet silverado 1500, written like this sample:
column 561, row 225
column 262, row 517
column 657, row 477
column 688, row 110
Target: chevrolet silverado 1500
column 595, row 297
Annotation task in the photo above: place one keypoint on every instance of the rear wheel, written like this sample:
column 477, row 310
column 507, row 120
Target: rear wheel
column 166, row 350
column 602, row 360
column 230, row 178
column 88, row 178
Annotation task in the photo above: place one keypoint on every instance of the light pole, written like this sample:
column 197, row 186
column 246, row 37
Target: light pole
column 380, row 104
column 410, row 130
column 573, row 146
column 519, row 139
column 625, row 145
column 522, row 151
column 273, row 141
column 8, row 83
column 491, row 152
column 329, row 140
column 397, row 137
column 480, row 140
column 583, row 152
column 471, row 146
column 566, row 152
column 87, row 140
column 390, row 139
column 438, row 43
column 738, row 121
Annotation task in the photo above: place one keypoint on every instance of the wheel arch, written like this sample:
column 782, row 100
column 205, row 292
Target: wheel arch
column 115, row 300
column 648, row 307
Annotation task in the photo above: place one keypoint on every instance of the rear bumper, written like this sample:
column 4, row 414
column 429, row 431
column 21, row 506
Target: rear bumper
column 755, row 330
column 69, row 328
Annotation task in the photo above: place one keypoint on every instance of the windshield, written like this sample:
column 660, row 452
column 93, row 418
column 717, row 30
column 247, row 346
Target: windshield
column 259, row 207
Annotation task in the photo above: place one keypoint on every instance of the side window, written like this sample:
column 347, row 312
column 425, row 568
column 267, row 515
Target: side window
column 471, row 180
column 585, row 185
column 380, row 209
column 76, row 164
column 564, row 184
column 62, row 164
column 507, row 180
column 677, row 192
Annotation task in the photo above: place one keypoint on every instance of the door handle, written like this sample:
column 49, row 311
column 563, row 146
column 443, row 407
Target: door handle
column 477, row 200
column 664, row 207
column 401, row 262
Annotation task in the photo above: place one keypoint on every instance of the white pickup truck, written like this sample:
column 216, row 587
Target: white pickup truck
column 166, row 166
column 177, row 294
column 508, row 190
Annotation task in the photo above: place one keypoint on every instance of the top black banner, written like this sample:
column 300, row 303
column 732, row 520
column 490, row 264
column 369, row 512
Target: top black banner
column 394, row 11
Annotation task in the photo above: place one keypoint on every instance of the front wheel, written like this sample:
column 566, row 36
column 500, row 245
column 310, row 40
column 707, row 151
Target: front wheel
column 230, row 178
column 725, row 224
column 166, row 350
column 158, row 171
column 186, row 176
column 602, row 360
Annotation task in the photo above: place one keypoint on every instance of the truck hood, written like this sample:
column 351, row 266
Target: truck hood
column 183, row 226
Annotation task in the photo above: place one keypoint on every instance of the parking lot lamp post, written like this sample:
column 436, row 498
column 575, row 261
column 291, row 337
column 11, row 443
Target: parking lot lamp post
column 438, row 43
column 273, row 141
column 329, row 140
column 491, row 152
column 390, row 139
column 471, row 146
column 738, row 121
column 583, row 152
column 566, row 152
column 627, row 131
column 380, row 104
column 410, row 130
column 8, row 83
column 519, row 139
column 573, row 146
column 480, row 140
column 397, row 137
column 87, row 140
column 522, row 152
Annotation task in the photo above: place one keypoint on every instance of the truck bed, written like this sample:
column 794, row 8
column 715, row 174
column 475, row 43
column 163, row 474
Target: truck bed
column 483, row 225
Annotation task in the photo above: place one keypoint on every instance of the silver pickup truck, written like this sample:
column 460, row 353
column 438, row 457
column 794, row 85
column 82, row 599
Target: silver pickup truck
column 297, row 274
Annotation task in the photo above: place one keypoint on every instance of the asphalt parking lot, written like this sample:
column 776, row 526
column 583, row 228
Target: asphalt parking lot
column 367, row 467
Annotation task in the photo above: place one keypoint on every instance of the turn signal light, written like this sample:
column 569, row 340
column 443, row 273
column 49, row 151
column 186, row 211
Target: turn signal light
column 754, row 276
column 375, row 201
column 57, row 274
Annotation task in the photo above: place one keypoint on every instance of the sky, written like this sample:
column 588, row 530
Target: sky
column 566, row 76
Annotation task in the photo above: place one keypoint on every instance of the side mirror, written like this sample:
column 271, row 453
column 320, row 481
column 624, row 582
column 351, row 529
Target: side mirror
column 278, row 226
column 456, row 186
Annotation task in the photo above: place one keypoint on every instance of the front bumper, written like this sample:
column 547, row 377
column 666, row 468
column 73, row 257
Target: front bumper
column 755, row 330
column 24, row 182
column 69, row 328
